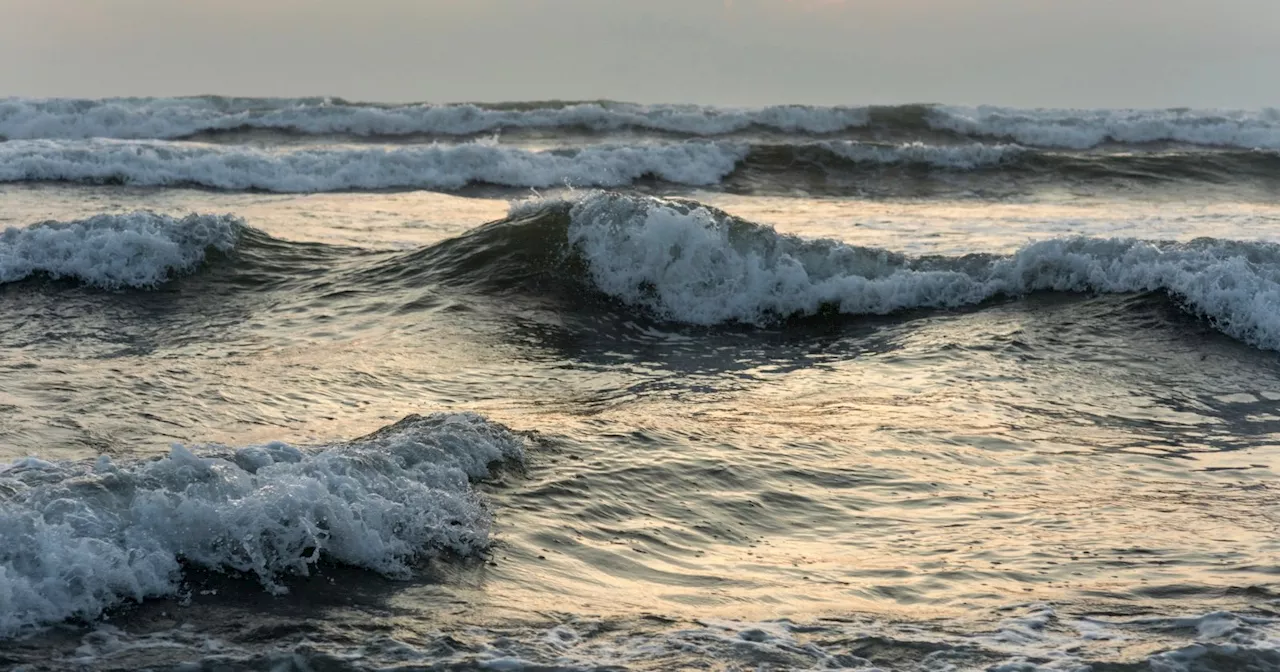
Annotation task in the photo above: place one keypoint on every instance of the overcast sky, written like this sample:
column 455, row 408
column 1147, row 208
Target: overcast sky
column 1079, row 53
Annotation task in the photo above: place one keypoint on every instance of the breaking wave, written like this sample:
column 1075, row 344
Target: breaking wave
column 175, row 118
column 691, row 163
column 682, row 261
column 693, row 264
column 1085, row 129
column 81, row 538
column 139, row 249
column 675, row 260
column 172, row 118
column 336, row 169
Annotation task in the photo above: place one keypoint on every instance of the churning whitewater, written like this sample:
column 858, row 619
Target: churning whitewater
column 85, row 537
column 697, row 265
column 139, row 249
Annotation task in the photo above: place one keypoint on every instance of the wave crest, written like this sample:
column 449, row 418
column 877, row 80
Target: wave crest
column 329, row 169
column 82, row 538
column 139, row 249
column 848, row 165
column 690, row 263
column 1086, row 129
column 173, row 118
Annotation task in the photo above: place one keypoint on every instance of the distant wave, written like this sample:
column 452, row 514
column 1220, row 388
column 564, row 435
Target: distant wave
column 139, row 249
column 1085, row 129
column 173, row 118
column 81, row 538
column 170, row 118
column 153, row 163
column 690, row 163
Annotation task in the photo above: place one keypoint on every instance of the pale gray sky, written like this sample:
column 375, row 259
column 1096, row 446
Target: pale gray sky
column 1089, row 53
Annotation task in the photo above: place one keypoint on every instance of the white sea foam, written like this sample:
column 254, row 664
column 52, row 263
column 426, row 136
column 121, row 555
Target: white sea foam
column 167, row 118
column 81, row 538
column 696, row 265
column 950, row 157
column 339, row 168
column 139, row 249
column 1083, row 129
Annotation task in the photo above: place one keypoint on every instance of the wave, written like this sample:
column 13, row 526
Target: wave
column 675, row 260
column 832, row 165
column 175, row 118
column 685, row 262
column 951, row 157
column 446, row 167
column 139, row 249
column 693, row 264
column 863, row 159
column 1086, row 129
column 83, row 538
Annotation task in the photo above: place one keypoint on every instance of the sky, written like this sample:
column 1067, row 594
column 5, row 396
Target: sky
column 1027, row 53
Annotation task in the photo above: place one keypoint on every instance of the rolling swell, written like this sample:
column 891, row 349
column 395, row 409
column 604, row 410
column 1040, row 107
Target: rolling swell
column 527, row 253
column 831, row 165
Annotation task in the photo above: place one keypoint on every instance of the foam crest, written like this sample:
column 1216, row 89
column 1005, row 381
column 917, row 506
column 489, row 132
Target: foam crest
column 343, row 168
column 81, row 538
column 1084, row 129
column 138, row 249
column 170, row 118
column 948, row 157
column 690, row 263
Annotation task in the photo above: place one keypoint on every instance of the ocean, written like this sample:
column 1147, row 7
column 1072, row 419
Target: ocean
column 320, row 386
